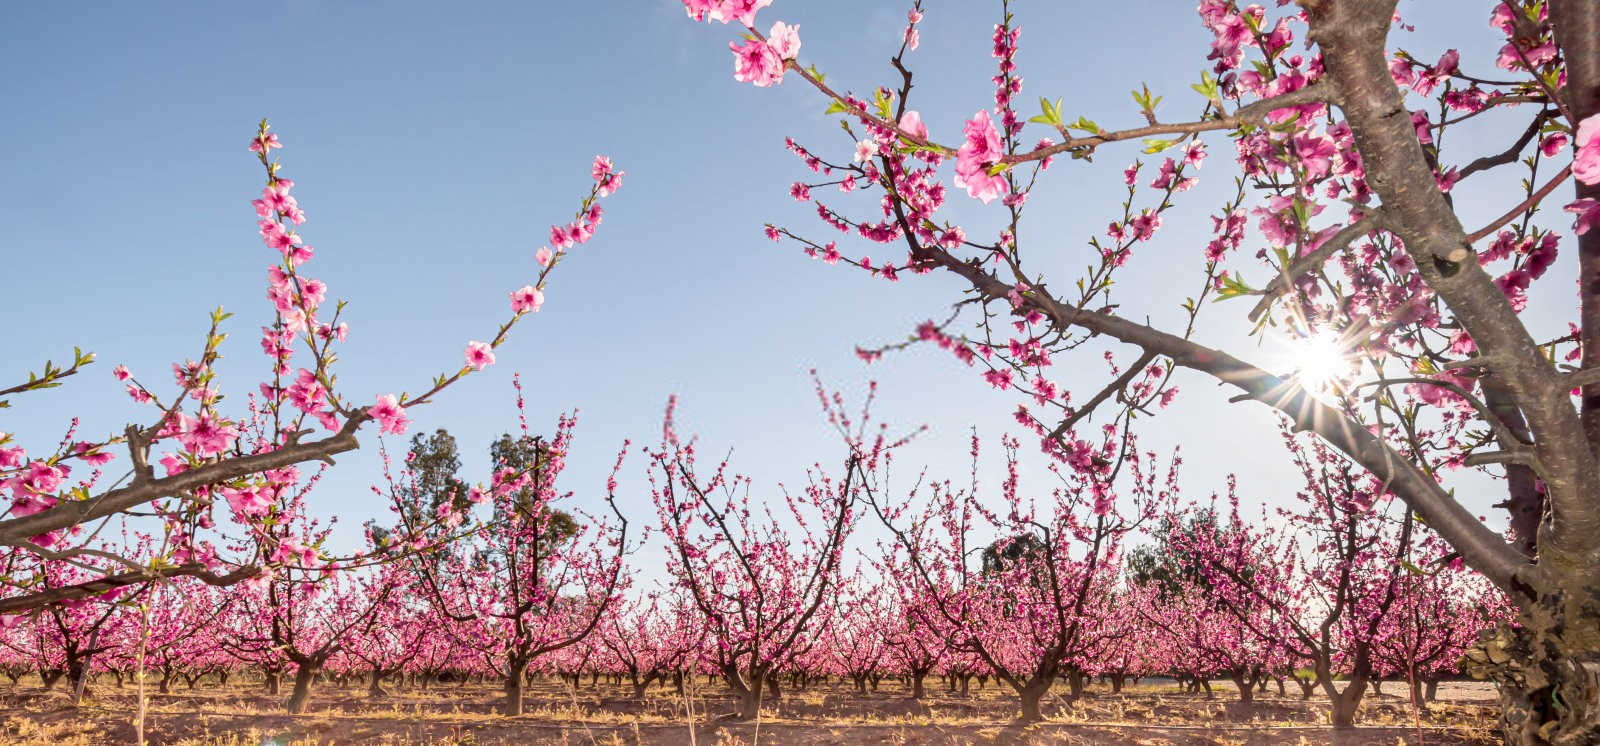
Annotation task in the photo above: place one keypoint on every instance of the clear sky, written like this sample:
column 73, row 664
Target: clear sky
column 432, row 145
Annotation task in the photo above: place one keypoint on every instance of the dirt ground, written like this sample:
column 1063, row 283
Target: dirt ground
column 1151, row 714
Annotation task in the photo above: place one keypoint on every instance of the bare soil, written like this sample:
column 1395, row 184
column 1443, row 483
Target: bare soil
column 1150, row 714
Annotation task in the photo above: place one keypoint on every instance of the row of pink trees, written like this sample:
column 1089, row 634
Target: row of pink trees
column 1030, row 587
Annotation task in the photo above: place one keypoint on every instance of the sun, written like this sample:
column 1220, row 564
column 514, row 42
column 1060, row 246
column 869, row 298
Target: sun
column 1321, row 362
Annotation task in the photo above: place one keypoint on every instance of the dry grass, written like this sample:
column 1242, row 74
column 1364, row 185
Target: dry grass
column 241, row 714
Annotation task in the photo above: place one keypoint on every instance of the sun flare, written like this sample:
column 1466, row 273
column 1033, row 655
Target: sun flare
column 1321, row 362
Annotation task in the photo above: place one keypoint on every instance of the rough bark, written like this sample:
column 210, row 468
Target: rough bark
column 302, row 689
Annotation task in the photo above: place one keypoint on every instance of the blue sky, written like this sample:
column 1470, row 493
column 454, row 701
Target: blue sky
column 433, row 144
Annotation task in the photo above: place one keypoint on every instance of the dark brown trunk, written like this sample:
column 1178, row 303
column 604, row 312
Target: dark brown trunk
column 515, row 668
column 1246, row 689
column 302, row 688
column 1030, row 695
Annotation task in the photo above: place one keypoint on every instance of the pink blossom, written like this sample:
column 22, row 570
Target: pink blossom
column 543, row 256
column 205, row 435
column 784, row 40
column 865, row 149
column 975, row 156
column 756, row 63
column 911, row 122
column 527, row 299
column 1000, row 379
column 1316, row 154
column 1588, row 212
column 608, row 178
column 306, row 393
column 479, row 355
column 1553, row 144
column 743, row 11
column 1145, row 224
column 1586, row 162
column 246, row 503
column 265, row 142
column 121, row 372
column 389, row 414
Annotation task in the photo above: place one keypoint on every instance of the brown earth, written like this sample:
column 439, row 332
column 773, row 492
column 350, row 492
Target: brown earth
column 1151, row 714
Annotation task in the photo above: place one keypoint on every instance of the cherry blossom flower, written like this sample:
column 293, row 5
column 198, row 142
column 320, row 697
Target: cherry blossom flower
column 265, row 142
column 784, row 40
column 1586, row 162
column 205, row 435
column 911, row 122
column 975, row 156
column 480, row 355
column 389, row 414
column 526, row 299
column 756, row 63
column 1588, row 212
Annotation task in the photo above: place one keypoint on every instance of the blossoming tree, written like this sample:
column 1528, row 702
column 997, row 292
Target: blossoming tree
column 1416, row 356
column 248, row 457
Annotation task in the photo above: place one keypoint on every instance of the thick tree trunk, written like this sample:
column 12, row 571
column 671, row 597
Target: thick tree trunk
column 749, row 696
column 1075, row 683
column 1548, row 670
column 49, row 678
column 916, row 684
column 1245, row 686
column 515, row 668
column 375, row 688
column 302, row 688
column 1030, row 696
column 1432, row 691
column 1345, row 704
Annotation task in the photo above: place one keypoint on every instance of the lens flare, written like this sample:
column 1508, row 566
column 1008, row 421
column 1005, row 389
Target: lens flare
column 1322, row 363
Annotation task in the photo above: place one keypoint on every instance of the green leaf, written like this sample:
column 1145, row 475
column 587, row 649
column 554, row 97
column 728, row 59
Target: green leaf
column 1152, row 145
column 1233, row 287
column 1085, row 124
column 1052, row 112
